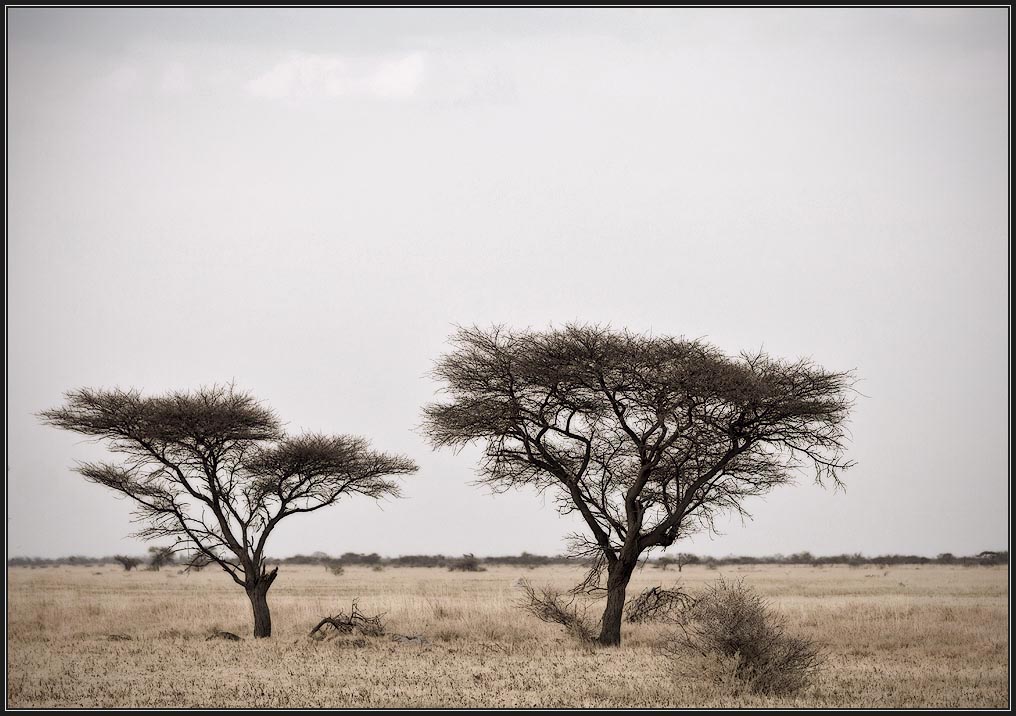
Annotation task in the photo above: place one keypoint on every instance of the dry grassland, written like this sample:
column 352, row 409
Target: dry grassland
column 929, row 636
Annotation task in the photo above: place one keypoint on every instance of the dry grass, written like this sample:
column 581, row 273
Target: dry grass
column 929, row 636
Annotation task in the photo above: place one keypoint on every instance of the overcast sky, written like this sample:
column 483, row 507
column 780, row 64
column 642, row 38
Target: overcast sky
column 307, row 201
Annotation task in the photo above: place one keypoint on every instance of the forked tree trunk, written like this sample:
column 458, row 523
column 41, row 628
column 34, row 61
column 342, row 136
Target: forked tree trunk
column 617, row 584
column 258, row 594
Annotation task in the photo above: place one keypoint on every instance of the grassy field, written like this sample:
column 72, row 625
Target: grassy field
column 930, row 636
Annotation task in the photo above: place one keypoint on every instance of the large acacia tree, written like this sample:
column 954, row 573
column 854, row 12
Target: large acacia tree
column 213, row 471
column 648, row 438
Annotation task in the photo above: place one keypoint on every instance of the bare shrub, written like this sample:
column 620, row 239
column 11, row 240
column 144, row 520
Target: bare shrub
column 468, row 563
column 553, row 607
column 731, row 630
column 354, row 621
column 657, row 604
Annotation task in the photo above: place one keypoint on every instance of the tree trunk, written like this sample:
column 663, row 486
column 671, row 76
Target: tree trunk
column 258, row 594
column 617, row 584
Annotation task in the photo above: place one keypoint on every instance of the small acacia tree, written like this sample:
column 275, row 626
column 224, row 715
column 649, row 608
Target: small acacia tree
column 160, row 557
column 647, row 438
column 128, row 563
column 684, row 558
column 212, row 470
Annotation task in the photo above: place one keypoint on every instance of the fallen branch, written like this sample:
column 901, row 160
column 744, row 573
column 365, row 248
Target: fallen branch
column 355, row 620
column 227, row 635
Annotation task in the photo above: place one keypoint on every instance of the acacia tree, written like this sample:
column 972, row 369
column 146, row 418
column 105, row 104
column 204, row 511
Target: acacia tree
column 684, row 558
column 213, row 471
column 647, row 438
column 160, row 557
column 128, row 563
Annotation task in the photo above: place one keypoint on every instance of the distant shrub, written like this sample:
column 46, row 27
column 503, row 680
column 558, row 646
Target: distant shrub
column 679, row 560
column 366, row 559
column 989, row 559
column 160, row 557
column 79, row 560
column 335, row 568
column 419, row 560
column 468, row 563
column 128, row 563
column 315, row 558
column 731, row 631
column 528, row 560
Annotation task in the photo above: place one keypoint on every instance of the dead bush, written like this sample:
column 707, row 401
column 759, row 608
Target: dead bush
column 657, row 604
column 553, row 607
column 354, row 621
column 731, row 631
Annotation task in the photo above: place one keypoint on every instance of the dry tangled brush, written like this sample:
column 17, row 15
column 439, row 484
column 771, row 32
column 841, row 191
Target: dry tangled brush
column 732, row 635
column 551, row 606
column 657, row 604
column 354, row 621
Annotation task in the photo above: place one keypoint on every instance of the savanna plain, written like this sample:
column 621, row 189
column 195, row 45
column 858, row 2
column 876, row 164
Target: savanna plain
column 906, row 636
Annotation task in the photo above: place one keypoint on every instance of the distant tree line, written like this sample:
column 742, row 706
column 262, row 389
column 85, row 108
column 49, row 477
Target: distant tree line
column 987, row 558
column 348, row 558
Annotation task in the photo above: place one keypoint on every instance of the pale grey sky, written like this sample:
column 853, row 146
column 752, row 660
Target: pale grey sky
column 306, row 201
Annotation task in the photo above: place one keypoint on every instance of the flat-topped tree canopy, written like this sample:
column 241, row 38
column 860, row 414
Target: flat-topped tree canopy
column 213, row 471
column 647, row 437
